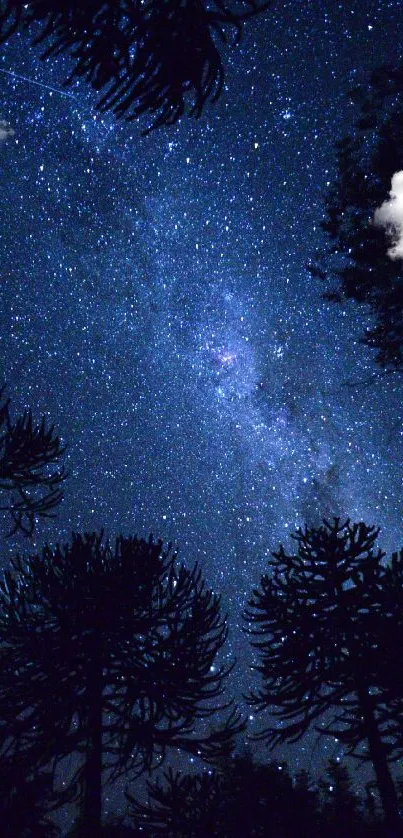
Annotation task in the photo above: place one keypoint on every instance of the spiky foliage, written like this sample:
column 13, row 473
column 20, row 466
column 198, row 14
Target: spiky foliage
column 342, row 805
column 108, row 654
column 179, row 804
column 356, row 255
column 243, row 798
column 25, row 802
column 29, row 470
column 146, row 56
column 322, row 630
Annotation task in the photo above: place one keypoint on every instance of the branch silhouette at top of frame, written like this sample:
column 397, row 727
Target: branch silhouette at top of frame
column 143, row 57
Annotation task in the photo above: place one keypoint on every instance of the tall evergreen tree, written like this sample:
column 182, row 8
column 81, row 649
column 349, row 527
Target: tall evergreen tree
column 26, row 799
column 319, row 624
column 340, row 803
column 180, row 805
column 108, row 654
column 306, row 804
column 356, row 255
column 146, row 56
column 30, row 474
column 243, row 797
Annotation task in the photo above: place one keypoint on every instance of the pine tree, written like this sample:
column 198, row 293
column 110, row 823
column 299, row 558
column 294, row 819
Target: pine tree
column 341, row 804
column 306, row 804
column 29, row 471
column 243, row 797
column 180, row 805
column 26, row 799
column 356, row 255
column 107, row 654
column 322, row 630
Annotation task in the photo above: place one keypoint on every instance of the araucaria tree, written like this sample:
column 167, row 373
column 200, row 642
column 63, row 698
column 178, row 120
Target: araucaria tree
column 108, row 653
column 146, row 56
column 30, row 474
column 322, row 622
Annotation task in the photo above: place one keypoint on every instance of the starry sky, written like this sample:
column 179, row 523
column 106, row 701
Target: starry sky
column 156, row 306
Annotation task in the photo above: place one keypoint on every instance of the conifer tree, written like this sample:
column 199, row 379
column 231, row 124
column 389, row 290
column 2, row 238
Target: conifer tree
column 356, row 253
column 243, row 797
column 26, row 800
column 30, row 474
column 107, row 654
column 341, row 804
column 320, row 625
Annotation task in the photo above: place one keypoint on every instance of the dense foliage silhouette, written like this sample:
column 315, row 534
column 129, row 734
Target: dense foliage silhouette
column 249, row 798
column 145, row 57
column 356, row 255
column 30, row 473
column 322, row 622
column 17, row 785
column 108, row 654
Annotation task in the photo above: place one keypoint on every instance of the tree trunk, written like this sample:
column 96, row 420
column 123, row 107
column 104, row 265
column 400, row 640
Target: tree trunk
column 377, row 751
column 92, row 799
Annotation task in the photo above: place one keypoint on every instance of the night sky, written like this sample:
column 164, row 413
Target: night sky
column 155, row 305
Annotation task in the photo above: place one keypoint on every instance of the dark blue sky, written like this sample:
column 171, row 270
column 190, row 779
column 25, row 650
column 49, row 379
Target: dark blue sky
column 155, row 304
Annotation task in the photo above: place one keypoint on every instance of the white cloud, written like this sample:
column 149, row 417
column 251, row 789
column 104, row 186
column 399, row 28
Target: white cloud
column 5, row 130
column 390, row 216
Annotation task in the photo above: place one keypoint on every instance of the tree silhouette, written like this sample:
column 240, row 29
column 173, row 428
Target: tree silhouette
column 179, row 805
column 307, row 805
column 28, row 453
column 243, row 797
column 108, row 654
column 251, row 798
column 25, row 801
column 356, row 255
column 112, row 828
column 340, row 802
column 322, row 630
column 145, row 57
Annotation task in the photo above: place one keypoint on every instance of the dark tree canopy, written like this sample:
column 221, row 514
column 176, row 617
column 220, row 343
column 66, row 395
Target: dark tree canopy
column 179, row 804
column 108, row 653
column 322, row 621
column 26, row 802
column 342, row 805
column 144, row 56
column 29, row 470
column 357, row 252
column 253, row 800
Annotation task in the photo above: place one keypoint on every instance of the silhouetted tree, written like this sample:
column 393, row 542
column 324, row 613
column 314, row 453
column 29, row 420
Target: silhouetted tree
column 306, row 804
column 146, row 57
column 180, row 805
column 371, row 808
column 25, row 802
column 341, row 804
column 243, row 798
column 356, row 255
column 321, row 630
column 112, row 828
column 108, row 654
column 28, row 454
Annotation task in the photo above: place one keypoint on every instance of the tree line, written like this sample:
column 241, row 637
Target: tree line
column 111, row 652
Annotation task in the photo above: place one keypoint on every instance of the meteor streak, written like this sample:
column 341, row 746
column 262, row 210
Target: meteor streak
column 38, row 83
